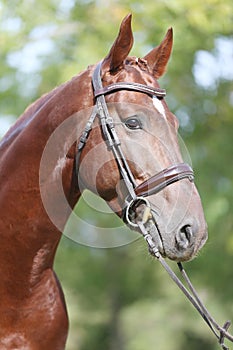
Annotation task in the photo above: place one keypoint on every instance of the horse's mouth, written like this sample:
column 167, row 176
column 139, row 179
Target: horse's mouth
column 181, row 245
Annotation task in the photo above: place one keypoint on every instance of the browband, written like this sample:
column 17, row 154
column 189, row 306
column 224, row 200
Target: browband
column 160, row 93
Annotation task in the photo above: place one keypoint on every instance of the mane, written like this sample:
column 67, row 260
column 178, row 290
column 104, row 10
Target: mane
column 28, row 115
column 32, row 111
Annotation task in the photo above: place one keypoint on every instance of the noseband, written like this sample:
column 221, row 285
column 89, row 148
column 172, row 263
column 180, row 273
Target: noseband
column 153, row 185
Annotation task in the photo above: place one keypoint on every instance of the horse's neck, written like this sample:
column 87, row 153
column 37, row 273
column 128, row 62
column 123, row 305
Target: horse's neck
column 27, row 232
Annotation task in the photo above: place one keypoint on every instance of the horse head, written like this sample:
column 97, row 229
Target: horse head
column 148, row 134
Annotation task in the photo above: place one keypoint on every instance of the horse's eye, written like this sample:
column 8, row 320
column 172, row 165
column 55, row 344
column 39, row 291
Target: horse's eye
column 133, row 123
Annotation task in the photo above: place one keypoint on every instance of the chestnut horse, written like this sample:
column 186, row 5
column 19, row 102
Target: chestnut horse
column 32, row 307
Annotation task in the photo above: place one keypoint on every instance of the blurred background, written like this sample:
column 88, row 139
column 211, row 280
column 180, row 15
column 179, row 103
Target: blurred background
column 120, row 298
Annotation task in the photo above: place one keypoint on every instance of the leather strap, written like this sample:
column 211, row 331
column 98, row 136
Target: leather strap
column 160, row 93
column 163, row 179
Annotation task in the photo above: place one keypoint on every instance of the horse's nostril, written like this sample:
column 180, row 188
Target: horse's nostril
column 184, row 237
column 187, row 230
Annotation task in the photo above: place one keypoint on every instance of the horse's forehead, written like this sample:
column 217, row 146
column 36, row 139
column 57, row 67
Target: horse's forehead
column 136, row 72
column 159, row 106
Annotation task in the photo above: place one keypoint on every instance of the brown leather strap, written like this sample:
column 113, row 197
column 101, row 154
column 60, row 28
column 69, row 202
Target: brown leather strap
column 164, row 178
column 160, row 93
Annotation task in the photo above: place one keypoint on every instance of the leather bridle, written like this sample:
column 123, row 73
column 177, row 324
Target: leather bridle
column 152, row 185
column 136, row 195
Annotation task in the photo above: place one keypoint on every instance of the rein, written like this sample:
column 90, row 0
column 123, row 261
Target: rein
column 221, row 333
column 137, row 194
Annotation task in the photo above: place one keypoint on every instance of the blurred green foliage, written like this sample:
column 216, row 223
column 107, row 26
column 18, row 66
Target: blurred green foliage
column 120, row 298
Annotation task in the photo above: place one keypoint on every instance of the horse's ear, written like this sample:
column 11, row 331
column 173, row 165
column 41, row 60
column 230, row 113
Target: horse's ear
column 158, row 58
column 121, row 47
